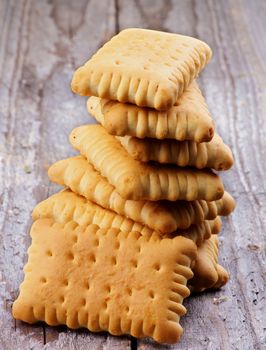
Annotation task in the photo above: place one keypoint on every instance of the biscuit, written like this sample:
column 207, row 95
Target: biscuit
column 208, row 274
column 188, row 119
column 164, row 216
column 144, row 67
column 214, row 154
column 200, row 232
column 66, row 206
column 223, row 277
column 215, row 225
column 105, row 280
column 136, row 180
column 225, row 205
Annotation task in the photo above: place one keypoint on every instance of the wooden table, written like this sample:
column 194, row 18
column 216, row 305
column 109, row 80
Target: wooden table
column 41, row 44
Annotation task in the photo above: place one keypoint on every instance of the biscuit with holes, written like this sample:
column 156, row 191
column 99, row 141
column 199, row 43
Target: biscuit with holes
column 164, row 216
column 143, row 67
column 188, row 119
column 214, row 154
column 105, row 280
column 67, row 206
column 208, row 274
column 136, row 180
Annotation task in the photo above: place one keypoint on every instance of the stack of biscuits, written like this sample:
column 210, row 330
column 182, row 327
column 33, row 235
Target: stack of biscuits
column 135, row 229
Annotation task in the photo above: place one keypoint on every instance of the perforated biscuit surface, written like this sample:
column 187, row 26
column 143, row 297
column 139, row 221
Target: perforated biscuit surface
column 105, row 280
column 144, row 67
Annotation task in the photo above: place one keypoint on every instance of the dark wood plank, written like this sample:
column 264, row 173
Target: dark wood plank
column 233, row 84
column 42, row 42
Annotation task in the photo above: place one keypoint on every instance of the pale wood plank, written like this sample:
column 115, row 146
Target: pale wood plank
column 233, row 84
column 14, row 220
column 42, row 42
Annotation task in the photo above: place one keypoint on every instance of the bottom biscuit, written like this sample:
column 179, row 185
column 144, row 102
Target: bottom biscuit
column 106, row 280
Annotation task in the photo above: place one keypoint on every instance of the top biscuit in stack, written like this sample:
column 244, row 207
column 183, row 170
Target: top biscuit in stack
column 144, row 67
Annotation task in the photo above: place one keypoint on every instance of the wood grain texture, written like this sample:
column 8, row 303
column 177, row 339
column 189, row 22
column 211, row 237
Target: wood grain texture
column 234, row 86
column 41, row 43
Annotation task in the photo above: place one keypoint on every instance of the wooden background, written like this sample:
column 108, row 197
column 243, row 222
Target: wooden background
column 41, row 43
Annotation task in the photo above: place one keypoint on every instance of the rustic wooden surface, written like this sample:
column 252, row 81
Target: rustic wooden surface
column 41, row 43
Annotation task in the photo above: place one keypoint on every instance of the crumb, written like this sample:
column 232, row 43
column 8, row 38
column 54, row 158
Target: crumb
column 27, row 169
column 253, row 247
column 220, row 300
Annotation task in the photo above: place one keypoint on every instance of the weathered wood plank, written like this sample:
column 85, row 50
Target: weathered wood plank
column 41, row 45
column 14, row 156
column 234, row 85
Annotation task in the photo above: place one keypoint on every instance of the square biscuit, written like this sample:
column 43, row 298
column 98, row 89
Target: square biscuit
column 188, row 119
column 163, row 216
column 105, row 280
column 208, row 274
column 143, row 67
column 223, row 277
column 67, row 206
column 139, row 181
column 214, row 154
column 201, row 232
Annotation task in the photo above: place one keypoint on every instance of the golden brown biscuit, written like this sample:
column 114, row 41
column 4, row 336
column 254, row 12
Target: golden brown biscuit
column 223, row 277
column 200, row 232
column 144, row 67
column 208, row 274
column 188, row 119
column 136, row 180
column 67, row 206
column 214, row 154
column 225, row 205
column 164, row 216
column 105, row 280
column 215, row 225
